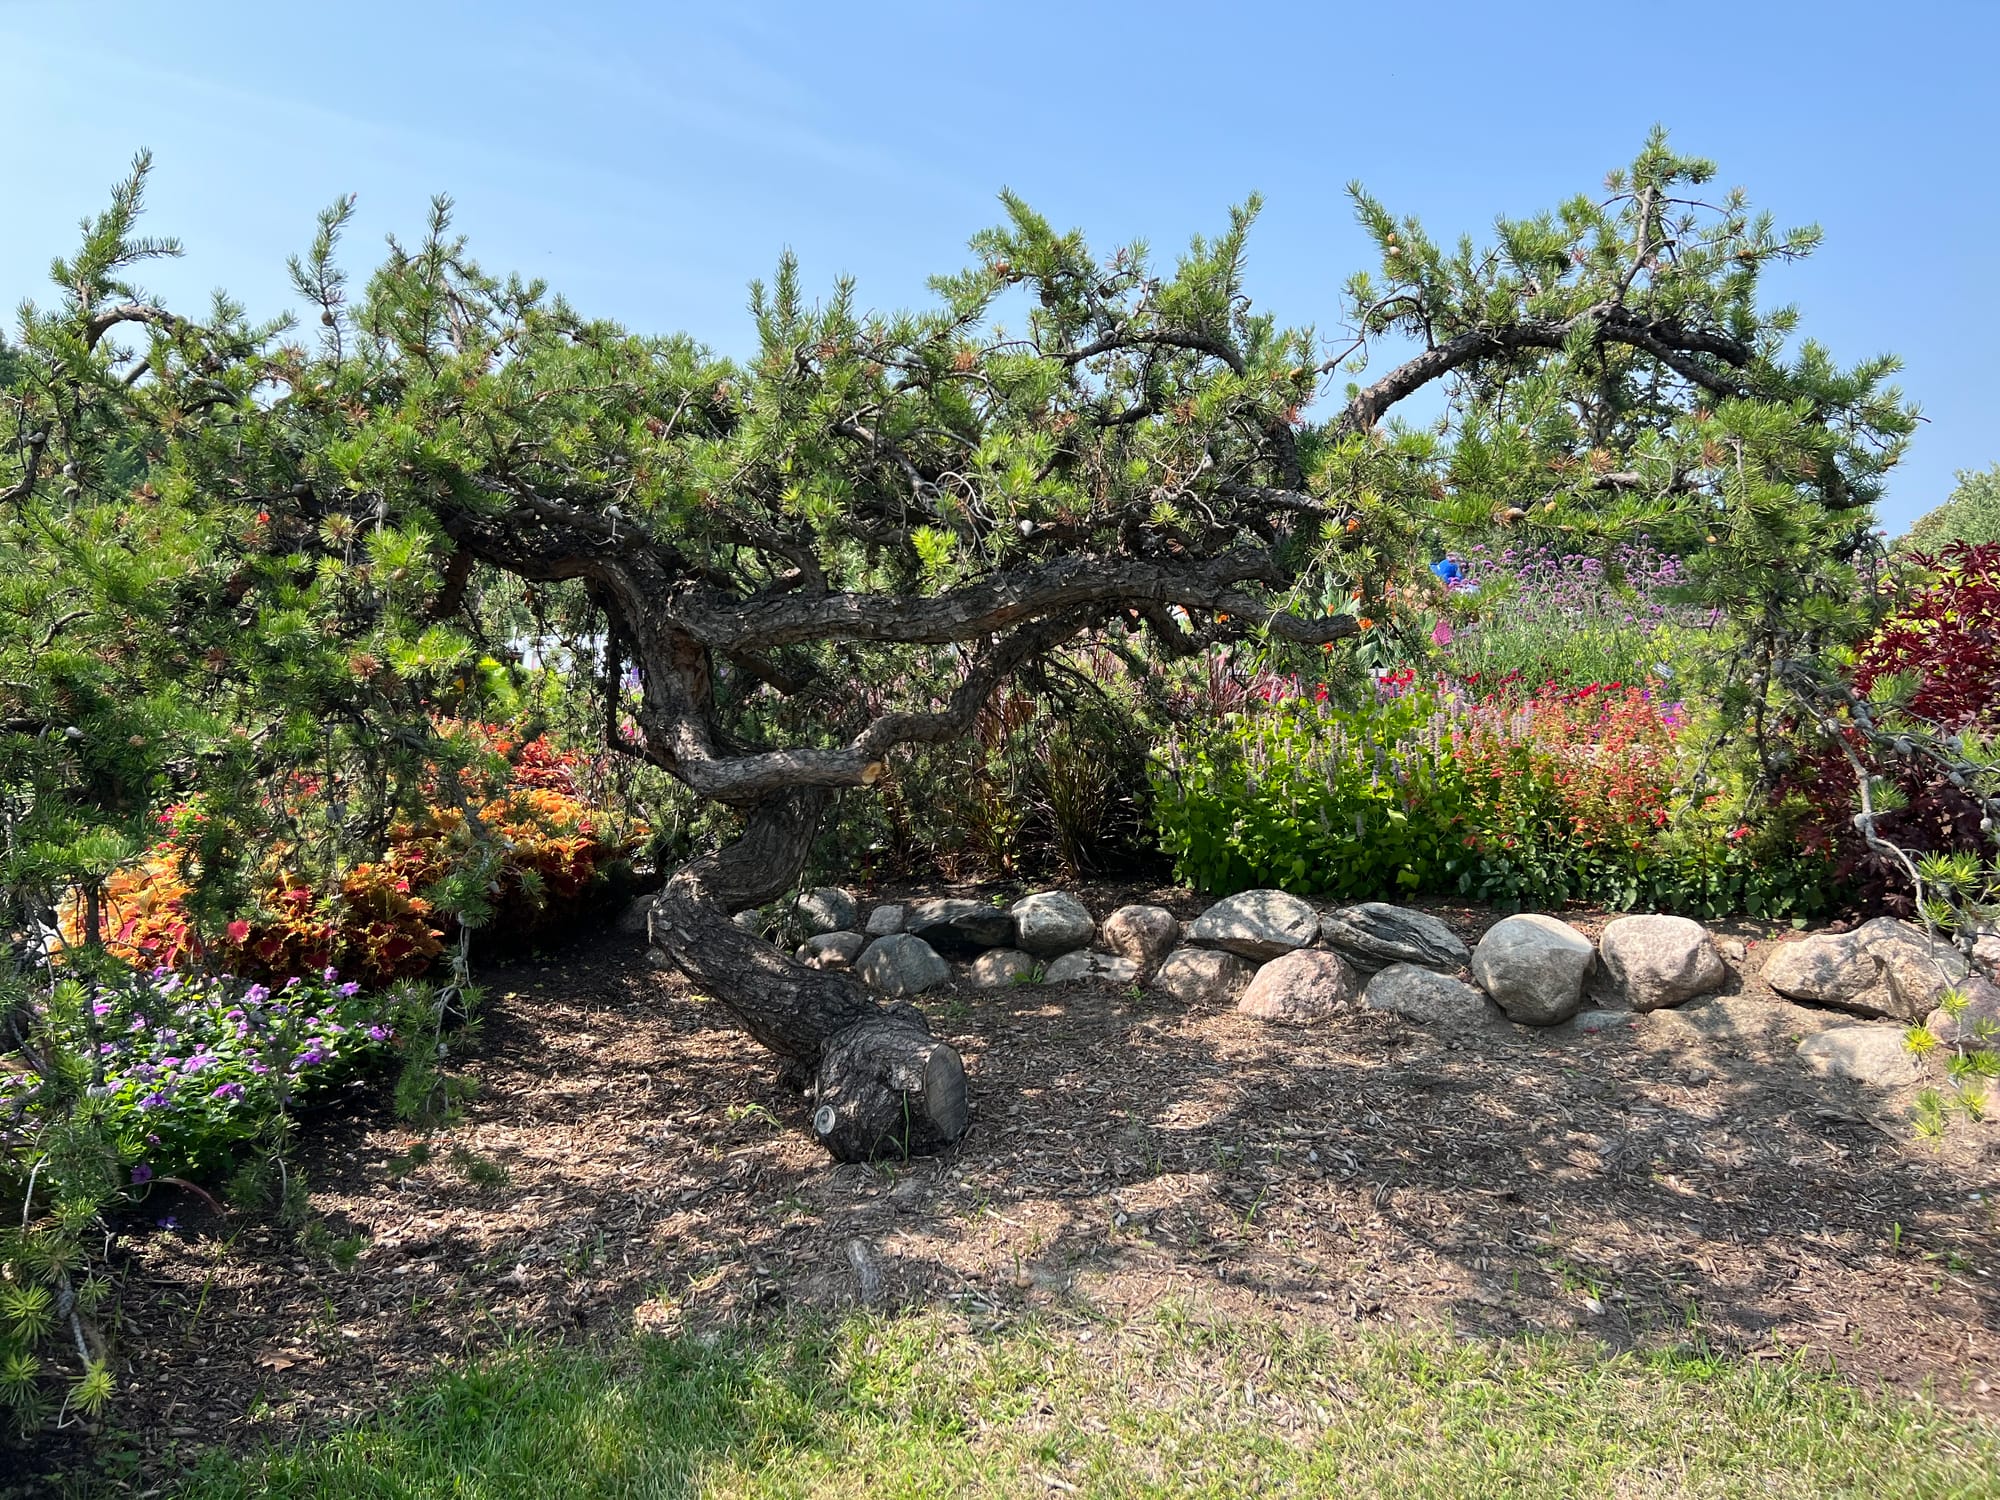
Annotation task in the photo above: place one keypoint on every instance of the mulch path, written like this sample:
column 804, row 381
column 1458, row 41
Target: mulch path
column 1683, row 1176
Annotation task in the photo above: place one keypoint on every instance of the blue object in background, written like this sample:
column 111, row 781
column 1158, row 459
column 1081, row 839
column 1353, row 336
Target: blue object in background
column 1446, row 569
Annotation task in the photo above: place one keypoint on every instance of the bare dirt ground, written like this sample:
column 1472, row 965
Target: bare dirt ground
column 1680, row 1177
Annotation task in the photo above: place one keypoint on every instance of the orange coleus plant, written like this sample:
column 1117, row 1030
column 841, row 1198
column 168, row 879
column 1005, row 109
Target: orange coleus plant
column 377, row 924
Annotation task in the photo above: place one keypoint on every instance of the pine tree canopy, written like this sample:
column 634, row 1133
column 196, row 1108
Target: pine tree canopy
column 303, row 532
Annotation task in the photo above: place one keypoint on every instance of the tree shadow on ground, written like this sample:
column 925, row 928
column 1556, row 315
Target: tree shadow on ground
column 631, row 1160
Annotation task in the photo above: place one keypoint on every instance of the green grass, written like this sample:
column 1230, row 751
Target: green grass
column 910, row 1405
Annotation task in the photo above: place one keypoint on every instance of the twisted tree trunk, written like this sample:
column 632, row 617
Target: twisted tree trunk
column 882, row 1084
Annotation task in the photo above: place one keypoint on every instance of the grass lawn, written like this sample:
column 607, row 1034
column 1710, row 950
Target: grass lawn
column 920, row 1405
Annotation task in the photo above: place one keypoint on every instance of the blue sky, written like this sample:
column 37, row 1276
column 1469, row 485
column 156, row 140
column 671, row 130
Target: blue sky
column 650, row 159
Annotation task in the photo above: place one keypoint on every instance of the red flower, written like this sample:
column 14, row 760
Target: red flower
column 239, row 932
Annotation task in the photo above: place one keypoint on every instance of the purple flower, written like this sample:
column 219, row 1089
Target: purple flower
column 154, row 1101
column 101, row 1008
column 170, row 1222
column 330, row 975
column 348, row 989
column 256, row 995
column 227, row 1091
column 141, row 1173
column 378, row 1033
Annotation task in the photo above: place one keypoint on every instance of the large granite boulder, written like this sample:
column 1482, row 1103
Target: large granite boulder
column 831, row 950
column 1000, row 968
column 1982, row 1004
column 1429, row 998
column 1203, row 976
column 1049, row 923
column 1144, row 934
column 960, row 928
column 1882, row 968
column 1375, row 935
column 826, row 909
column 1651, row 962
column 1301, row 987
column 1257, row 925
column 1534, row 967
column 1099, row 968
column 1986, row 951
column 885, row 919
column 1859, row 1053
column 901, row 964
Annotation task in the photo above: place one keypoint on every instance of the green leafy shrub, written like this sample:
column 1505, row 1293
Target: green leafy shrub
column 1516, row 798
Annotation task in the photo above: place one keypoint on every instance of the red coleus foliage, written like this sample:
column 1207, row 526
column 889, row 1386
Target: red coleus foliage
column 1946, row 633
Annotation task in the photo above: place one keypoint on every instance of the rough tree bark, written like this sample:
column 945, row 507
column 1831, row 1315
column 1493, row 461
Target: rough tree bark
column 881, row 1083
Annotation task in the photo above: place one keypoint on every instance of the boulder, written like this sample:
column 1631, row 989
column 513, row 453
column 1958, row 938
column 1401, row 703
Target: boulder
column 1257, row 925
column 1918, row 966
column 1859, row 1053
column 1374, row 935
column 1427, row 997
column 1882, row 968
column 1534, row 968
column 1203, row 976
column 1734, row 1020
column 1299, row 988
column 884, row 920
column 1000, row 968
column 1102, row 968
column 751, row 921
column 1144, row 934
column 1051, row 922
column 636, row 919
column 1653, row 962
column 960, row 928
column 1986, row 951
column 900, row 964
column 827, row 909
column 1982, row 1003
column 831, row 950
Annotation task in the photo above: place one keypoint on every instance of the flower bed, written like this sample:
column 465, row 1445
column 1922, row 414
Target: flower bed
column 182, row 1069
column 532, row 847
column 1520, row 797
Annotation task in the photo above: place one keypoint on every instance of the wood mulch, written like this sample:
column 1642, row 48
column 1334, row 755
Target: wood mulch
column 632, row 1160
